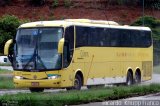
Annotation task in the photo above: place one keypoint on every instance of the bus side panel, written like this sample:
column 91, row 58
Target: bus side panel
column 147, row 70
column 67, row 76
column 104, row 65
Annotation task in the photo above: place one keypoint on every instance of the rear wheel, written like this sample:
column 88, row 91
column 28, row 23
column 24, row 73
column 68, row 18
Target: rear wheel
column 129, row 80
column 137, row 78
column 36, row 89
column 69, row 88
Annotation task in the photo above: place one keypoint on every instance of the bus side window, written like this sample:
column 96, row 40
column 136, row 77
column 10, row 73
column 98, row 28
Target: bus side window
column 145, row 39
column 125, row 38
column 68, row 46
column 82, row 36
column 114, row 37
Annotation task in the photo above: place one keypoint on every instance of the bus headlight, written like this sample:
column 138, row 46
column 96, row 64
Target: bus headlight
column 18, row 77
column 54, row 77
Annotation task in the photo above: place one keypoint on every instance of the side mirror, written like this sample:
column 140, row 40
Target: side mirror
column 60, row 46
column 7, row 46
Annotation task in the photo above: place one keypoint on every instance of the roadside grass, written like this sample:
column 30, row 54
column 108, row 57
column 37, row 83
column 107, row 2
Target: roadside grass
column 156, row 69
column 4, row 71
column 5, row 64
column 79, row 97
column 6, row 82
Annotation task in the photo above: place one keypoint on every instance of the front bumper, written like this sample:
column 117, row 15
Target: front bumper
column 45, row 83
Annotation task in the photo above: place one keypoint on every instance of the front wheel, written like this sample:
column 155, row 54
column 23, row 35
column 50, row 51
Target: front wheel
column 36, row 89
column 77, row 82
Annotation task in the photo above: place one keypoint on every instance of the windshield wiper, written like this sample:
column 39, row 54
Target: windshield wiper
column 34, row 58
column 31, row 59
column 40, row 60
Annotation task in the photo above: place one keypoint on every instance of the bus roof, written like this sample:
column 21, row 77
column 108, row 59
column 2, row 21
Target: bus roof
column 81, row 22
column 103, row 22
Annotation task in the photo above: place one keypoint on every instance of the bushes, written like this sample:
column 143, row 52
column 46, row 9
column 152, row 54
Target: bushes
column 151, row 3
column 148, row 21
column 8, row 25
column 155, row 4
column 151, row 22
column 4, row 2
column 67, row 3
column 154, row 24
column 37, row 2
column 55, row 3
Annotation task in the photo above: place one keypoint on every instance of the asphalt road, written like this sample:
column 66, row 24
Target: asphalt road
column 155, row 79
column 6, row 67
column 15, row 91
column 147, row 100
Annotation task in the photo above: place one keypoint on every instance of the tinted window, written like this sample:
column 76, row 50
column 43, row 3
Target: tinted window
column 125, row 38
column 141, row 38
column 114, row 38
column 82, row 36
column 110, row 37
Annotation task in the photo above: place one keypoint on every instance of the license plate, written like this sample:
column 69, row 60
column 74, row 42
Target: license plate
column 35, row 83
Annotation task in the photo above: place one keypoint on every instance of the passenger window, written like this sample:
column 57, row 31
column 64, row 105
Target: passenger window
column 82, row 36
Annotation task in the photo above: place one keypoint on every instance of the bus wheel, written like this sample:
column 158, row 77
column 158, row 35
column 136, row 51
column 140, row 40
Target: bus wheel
column 77, row 82
column 89, row 86
column 69, row 88
column 129, row 80
column 137, row 78
column 36, row 89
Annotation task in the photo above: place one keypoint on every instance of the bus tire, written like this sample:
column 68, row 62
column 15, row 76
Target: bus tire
column 36, row 89
column 137, row 78
column 77, row 82
column 69, row 88
column 89, row 86
column 129, row 79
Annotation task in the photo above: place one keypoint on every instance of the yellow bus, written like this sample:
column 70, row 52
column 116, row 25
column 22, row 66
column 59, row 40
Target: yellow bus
column 73, row 53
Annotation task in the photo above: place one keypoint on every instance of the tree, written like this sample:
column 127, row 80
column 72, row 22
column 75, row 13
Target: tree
column 154, row 24
column 8, row 26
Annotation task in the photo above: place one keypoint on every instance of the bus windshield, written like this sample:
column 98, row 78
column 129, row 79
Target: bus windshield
column 37, row 49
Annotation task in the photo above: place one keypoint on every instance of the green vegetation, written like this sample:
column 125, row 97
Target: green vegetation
column 67, row 3
column 4, row 2
column 37, row 2
column 8, row 25
column 3, row 71
column 79, row 97
column 6, row 82
column 154, row 4
column 154, row 24
column 5, row 64
column 55, row 3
